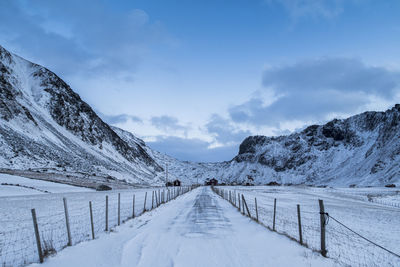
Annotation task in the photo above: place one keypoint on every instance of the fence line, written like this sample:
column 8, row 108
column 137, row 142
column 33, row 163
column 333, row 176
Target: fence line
column 19, row 245
column 313, row 230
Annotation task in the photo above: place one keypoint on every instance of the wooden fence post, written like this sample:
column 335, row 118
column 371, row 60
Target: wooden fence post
column 106, row 213
column 91, row 218
column 322, row 220
column 144, row 206
column 133, row 206
column 245, row 204
column 273, row 223
column 299, row 222
column 152, row 199
column 119, row 208
column 156, row 195
column 255, row 201
column 240, row 207
column 36, row 228
column 67, row 221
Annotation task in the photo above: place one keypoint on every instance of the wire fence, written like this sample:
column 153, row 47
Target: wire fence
column 84, row 220
column 314, row 228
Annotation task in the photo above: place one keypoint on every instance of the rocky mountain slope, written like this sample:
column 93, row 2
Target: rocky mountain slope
column 44, row 124
column 361, row 150
column 46, row 130
column 187, row 172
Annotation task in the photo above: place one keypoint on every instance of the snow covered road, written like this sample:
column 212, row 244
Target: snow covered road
column 197, row 229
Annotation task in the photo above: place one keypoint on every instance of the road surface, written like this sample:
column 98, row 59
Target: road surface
column 197, row 229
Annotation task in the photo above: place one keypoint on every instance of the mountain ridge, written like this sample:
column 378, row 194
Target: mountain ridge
column 366, row 145
column 45, row 123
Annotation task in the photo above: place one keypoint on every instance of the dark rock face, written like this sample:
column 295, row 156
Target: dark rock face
column 330, row 130
column 249, row 144
column 9, row 107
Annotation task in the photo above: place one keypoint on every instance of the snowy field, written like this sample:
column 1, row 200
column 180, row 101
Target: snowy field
column 357, row 208
column 202, row 229
column 12, row 185
column 17, row 239
column 197, row 229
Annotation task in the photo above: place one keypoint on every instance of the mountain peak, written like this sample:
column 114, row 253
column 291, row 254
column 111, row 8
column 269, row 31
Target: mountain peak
column 45, row 123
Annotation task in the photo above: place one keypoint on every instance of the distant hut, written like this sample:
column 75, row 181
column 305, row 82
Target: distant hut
column 212, row 181
column 167, row 184
column 177, row 182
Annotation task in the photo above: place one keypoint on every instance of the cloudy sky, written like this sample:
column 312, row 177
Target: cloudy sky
column 194, row 78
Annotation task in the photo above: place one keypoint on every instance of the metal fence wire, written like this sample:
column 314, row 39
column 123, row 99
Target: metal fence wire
column 346, row 246
column 19, row 243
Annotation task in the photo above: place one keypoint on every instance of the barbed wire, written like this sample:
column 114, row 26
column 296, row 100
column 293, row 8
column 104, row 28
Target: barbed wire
column 345, row 246
column 366, row 239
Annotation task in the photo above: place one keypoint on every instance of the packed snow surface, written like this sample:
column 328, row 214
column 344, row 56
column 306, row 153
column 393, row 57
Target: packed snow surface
column 197, row 229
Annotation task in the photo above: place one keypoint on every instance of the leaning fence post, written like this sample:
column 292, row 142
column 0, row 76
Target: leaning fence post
column 91, row 218
column 255, row 201
column 144, row 207
column 133, row 206
column 106, row 213
column 299, row 221
column 35, row 226
column 273, row 223
column 67, row 222
column 245, row 204
column 119, row 208
column 322, row 220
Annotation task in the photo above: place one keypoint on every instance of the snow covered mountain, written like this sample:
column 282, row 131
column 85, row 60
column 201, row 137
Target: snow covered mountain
column 46, row 128
column 188, row 172
column 46, row 125
column 362, row 150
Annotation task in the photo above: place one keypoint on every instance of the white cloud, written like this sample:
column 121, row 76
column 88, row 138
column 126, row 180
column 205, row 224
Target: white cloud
column 318, row 90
